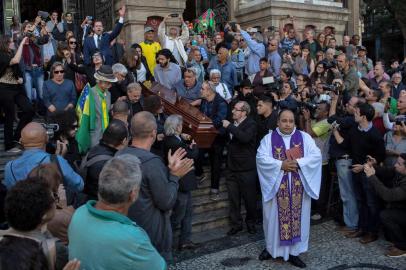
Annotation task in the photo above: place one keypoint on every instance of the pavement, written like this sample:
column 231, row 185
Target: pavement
column 328, row 250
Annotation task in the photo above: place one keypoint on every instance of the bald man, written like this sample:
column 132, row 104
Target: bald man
column 159, row 187
column 34, row 139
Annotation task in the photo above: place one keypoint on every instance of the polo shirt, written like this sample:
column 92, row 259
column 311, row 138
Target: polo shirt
column 102, row 239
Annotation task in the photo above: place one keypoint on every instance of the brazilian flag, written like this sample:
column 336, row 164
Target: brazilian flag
column 86, row 112
column 206, row 22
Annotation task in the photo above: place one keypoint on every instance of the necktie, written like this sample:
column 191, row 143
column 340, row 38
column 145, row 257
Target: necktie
column 98, row 41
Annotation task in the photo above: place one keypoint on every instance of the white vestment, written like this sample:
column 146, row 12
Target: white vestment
column 270, row 176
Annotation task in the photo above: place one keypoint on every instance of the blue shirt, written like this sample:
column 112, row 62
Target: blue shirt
column 275, row 61
column 228, row 73
column 190, row 94
column 18, row 169
column 59, row 95
column 169, row 76
column 102, row 239
column 216, row 110
column 257, row 51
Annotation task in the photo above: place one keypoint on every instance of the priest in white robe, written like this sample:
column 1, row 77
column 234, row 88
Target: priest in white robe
column 289, row 169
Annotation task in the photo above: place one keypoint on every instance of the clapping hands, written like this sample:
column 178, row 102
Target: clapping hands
column 177, row 163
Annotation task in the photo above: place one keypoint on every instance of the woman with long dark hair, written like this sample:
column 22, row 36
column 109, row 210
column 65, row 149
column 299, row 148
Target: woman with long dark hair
column 12, row 92
column 134, row 64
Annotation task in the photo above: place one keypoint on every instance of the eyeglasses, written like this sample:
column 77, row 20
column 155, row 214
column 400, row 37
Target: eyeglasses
column 73, row 42
column 59, row 71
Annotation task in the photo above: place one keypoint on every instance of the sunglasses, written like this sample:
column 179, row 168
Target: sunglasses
column 73, row 42
column 59, row 71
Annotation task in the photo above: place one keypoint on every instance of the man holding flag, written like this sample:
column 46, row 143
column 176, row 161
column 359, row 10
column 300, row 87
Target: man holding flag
column 93, row 109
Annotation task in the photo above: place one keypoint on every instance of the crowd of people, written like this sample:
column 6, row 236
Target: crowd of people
column 105, row 176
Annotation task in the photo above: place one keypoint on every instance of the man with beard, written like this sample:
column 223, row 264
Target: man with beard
column 167, row 72
column 294, row 61
column 246, row 94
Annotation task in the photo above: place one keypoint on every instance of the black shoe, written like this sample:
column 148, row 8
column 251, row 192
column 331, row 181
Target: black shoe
column 188, row 245
column 234, row 230
column 251, row 229
column 296, row 261
column 264, row 255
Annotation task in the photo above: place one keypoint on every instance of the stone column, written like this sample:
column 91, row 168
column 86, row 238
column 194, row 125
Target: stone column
column 353, row 22
column 138, row 12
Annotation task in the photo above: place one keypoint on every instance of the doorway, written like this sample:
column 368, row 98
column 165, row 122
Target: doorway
column 30, row 8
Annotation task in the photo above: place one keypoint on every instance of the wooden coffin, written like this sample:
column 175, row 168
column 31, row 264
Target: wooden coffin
column 195, row 123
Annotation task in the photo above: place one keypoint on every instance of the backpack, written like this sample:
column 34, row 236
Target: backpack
column 85, row 164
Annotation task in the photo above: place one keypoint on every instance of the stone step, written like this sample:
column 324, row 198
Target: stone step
column 203, row 203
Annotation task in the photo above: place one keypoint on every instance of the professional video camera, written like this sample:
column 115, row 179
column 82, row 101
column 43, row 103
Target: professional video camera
column 335, row 88
column 51, row 129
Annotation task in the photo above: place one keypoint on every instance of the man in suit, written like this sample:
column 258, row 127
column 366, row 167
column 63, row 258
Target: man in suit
column 241, row 174
column 101, row 41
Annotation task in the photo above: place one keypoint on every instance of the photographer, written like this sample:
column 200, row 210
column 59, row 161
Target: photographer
column 347, row 75
column 319, row 129
column 285, row 99
column 393, row 217
column 31, row 60
column 340, row 156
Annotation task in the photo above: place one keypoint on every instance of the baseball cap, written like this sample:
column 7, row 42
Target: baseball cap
column 148, row 29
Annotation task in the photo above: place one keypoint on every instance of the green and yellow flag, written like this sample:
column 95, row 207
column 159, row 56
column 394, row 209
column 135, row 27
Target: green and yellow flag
column 206, row 22
column 85, row 110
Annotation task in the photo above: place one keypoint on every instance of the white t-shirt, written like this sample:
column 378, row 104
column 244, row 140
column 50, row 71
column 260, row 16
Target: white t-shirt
column 222, row 90
column 141, row 73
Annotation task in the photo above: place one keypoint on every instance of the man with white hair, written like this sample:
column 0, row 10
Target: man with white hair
column 314, row 47
column 124, row 78
column 257, row 50
column 104, row 223
column 221, row 88
column 173, row 41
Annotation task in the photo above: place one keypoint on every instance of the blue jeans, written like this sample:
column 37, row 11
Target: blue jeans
column 34, row 78
column 182, row 215
column 347, row 193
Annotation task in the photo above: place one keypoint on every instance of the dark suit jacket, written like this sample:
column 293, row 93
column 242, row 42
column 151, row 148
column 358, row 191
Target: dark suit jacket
column 242, row 147
column 187, row 182
column 89, row 46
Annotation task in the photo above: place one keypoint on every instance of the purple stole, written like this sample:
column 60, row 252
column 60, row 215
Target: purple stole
column 289, row 198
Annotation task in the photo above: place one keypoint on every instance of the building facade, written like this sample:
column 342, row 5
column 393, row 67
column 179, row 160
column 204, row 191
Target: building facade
column 343, row 15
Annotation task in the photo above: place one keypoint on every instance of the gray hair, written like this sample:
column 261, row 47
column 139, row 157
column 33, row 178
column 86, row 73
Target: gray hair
column 245, row 107
column 120, row 69
column 215, row 71
column 191, row 70
column 119, row 176
column 134, row 86
column 172, row 123
column 397, row 73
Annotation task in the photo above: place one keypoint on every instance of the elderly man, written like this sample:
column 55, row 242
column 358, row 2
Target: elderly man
column 362, row 62
column 124, row 78
column 242, row 175
column 34, row 139
column 100, row 41
column 104, row 225
column 214, row 107
column 188, row 88
column 221, row 88
column 159, row 186
column 174, row 42
column 349, row 48
column 227, row 68
column 314, row 46
column 256, row 50
column 397, row 85
column 94, row 105
column 274, row 57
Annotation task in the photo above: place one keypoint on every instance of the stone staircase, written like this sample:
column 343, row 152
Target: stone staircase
column 208, row 215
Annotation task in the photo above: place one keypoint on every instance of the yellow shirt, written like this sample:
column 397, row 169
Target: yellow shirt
column 149, row 51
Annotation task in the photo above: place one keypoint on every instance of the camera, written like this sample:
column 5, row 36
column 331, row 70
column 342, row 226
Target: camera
column 335, row 125
column 50, row 129
column 400, row 119
column 43, row 14
column 233, row 26
column 307, row 105
column 335, row 88
column 329, row 65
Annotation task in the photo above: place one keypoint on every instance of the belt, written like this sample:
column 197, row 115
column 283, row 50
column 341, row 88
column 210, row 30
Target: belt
column 346, row 157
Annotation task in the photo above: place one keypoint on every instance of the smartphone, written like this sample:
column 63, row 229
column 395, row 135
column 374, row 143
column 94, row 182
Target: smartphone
column 89, row 18
column 174, row 15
